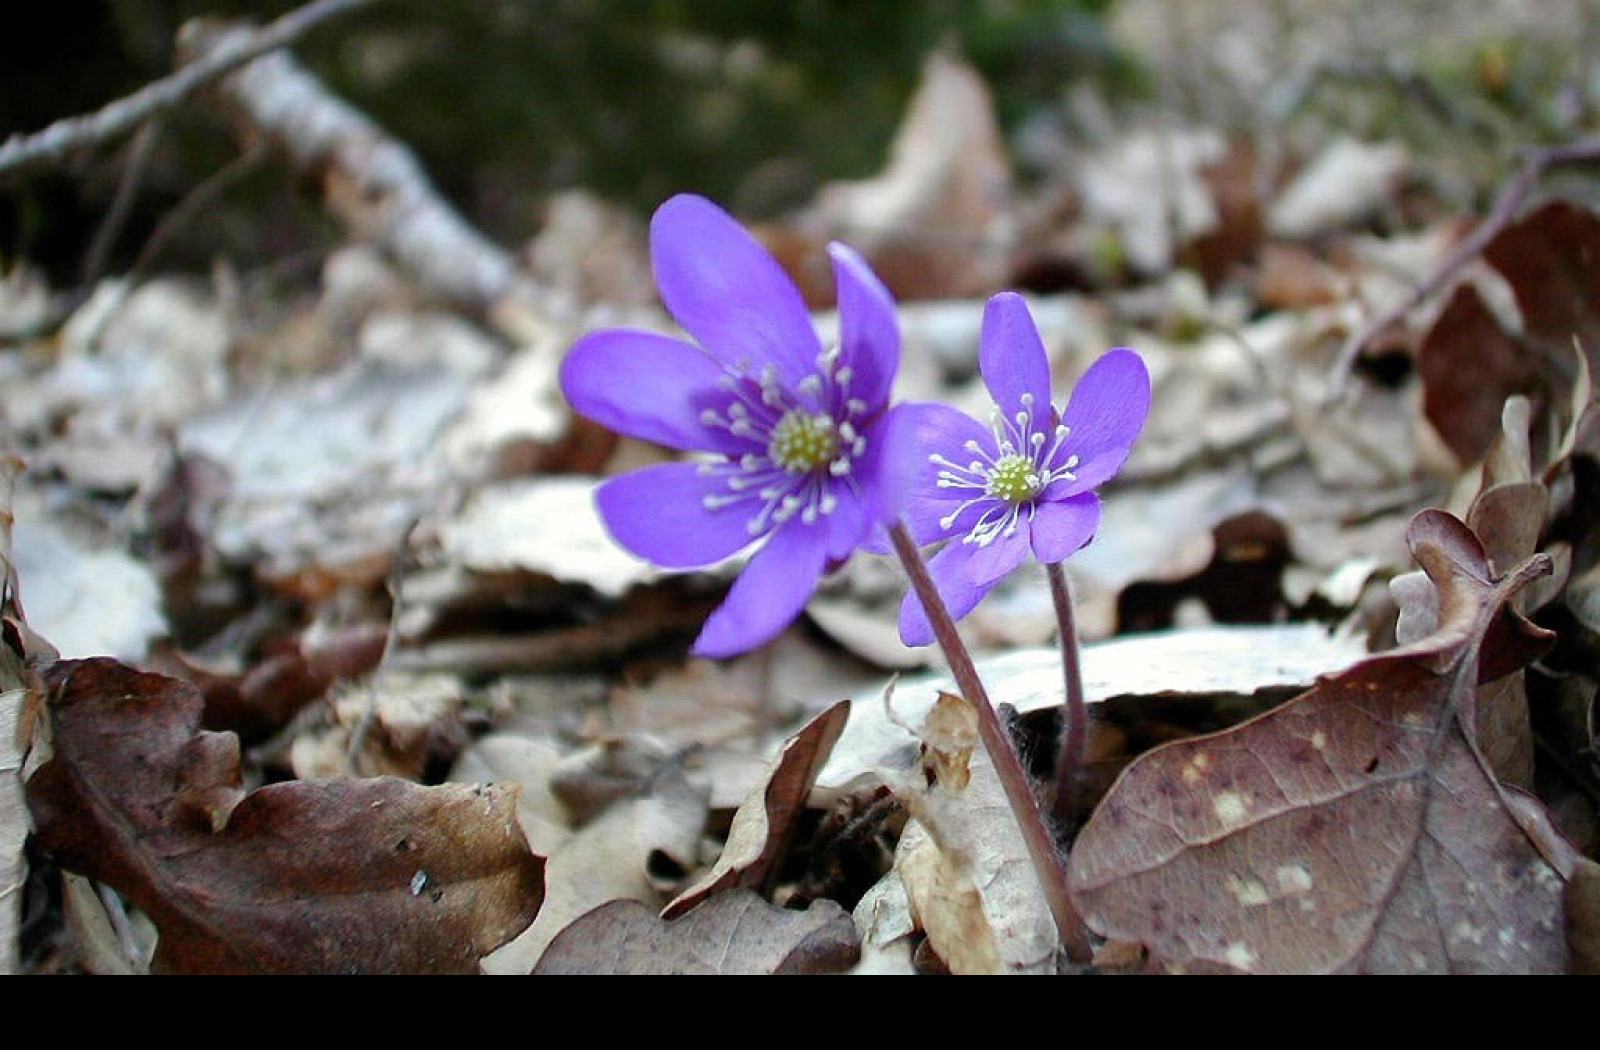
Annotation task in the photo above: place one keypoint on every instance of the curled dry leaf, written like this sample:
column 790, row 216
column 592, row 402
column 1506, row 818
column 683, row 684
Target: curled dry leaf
column 968, row 877
column 735, row 932
column 15, row 732
column 1356, row 828
column 613, row 857
column 763, row 825
column 331, row 876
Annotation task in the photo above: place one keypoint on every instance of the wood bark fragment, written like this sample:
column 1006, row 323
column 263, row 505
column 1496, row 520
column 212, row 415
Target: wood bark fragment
column 372, row 182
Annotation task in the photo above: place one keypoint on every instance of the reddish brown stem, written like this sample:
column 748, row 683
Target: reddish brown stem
column 1041, row 845
column 1075, row 709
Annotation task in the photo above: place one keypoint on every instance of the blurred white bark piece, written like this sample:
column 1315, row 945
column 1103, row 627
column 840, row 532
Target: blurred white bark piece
column 1344, row 184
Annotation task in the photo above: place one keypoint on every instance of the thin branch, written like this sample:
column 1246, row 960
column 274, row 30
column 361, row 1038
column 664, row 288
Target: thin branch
column 372, row 182
column 22, row 153
column 194, row 203
column 128, row 187
column 1512, row 196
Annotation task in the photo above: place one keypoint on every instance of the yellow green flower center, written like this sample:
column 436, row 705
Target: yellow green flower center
column 803, row 442
column 1013, row 478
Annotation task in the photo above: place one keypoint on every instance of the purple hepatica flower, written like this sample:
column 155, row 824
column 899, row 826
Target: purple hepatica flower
column 1027, row 481
column 796, row 432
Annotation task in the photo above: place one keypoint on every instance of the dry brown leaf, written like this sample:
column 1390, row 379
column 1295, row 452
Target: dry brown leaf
column 966, row 869
column 612, row 858
column 15, row 736
column 1240, row 849
column 764, row 824
column 528, row 761
column 735, row 932
column 1470, row 363
column 378, row 876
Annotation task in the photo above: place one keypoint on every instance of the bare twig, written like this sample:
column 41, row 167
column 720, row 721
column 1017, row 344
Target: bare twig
column 195, row 202
column 1512, row 196
column 22, row 153
column 133, row 173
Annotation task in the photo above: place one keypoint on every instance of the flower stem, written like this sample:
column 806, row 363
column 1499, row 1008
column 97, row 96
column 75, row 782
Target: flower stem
column 1075, row 711
column 1041, row 845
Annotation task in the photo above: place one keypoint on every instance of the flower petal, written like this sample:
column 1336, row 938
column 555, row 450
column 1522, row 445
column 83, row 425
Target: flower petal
column 848, row 526
column 1106, row 413
column 886, row 471
column 647, row 386
column 989, row 564
column 771, row 591
column 924, row 430
column 658, row 513
column 1061, row 528
column 1012, row 359
column 728, row 292
column 869, row 332
column 960, row 594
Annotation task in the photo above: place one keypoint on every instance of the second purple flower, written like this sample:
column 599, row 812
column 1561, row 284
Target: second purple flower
column 1024, row 483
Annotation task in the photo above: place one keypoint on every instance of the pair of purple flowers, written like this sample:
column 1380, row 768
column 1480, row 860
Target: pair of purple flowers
column 802, row 450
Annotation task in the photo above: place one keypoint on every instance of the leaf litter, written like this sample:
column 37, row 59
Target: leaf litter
column 386, row 698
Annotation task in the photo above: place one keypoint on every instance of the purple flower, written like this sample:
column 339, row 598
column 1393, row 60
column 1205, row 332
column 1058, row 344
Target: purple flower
column 796, row 433
column 1026, row 482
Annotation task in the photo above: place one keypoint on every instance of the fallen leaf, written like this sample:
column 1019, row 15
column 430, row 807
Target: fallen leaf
column 528, row 761
column 1148, row 187
column 1471, row 359
column 735, row 932
column 88, row 602
column 1469, row 365
column 1236, row 849
column 764, row 824
column 613, row 857
column 331, row 876
column 968, row 876
column 16, row 733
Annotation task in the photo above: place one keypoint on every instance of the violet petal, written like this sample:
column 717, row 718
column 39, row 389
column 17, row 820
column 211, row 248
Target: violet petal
column 728, row 292
column 1060, row 529
column 960, row 594
column 993, row 561
column 771, row 591
column 1012, row 358
column 648, row 386
column 1106, row 413
column 658, row 514
column 869, row 332
column 929, row 429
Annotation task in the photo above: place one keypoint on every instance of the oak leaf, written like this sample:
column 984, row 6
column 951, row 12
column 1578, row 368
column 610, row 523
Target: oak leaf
column 324, row 876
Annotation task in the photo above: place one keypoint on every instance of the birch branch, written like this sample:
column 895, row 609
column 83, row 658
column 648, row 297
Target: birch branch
column 372, row 183
column 51, row 146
